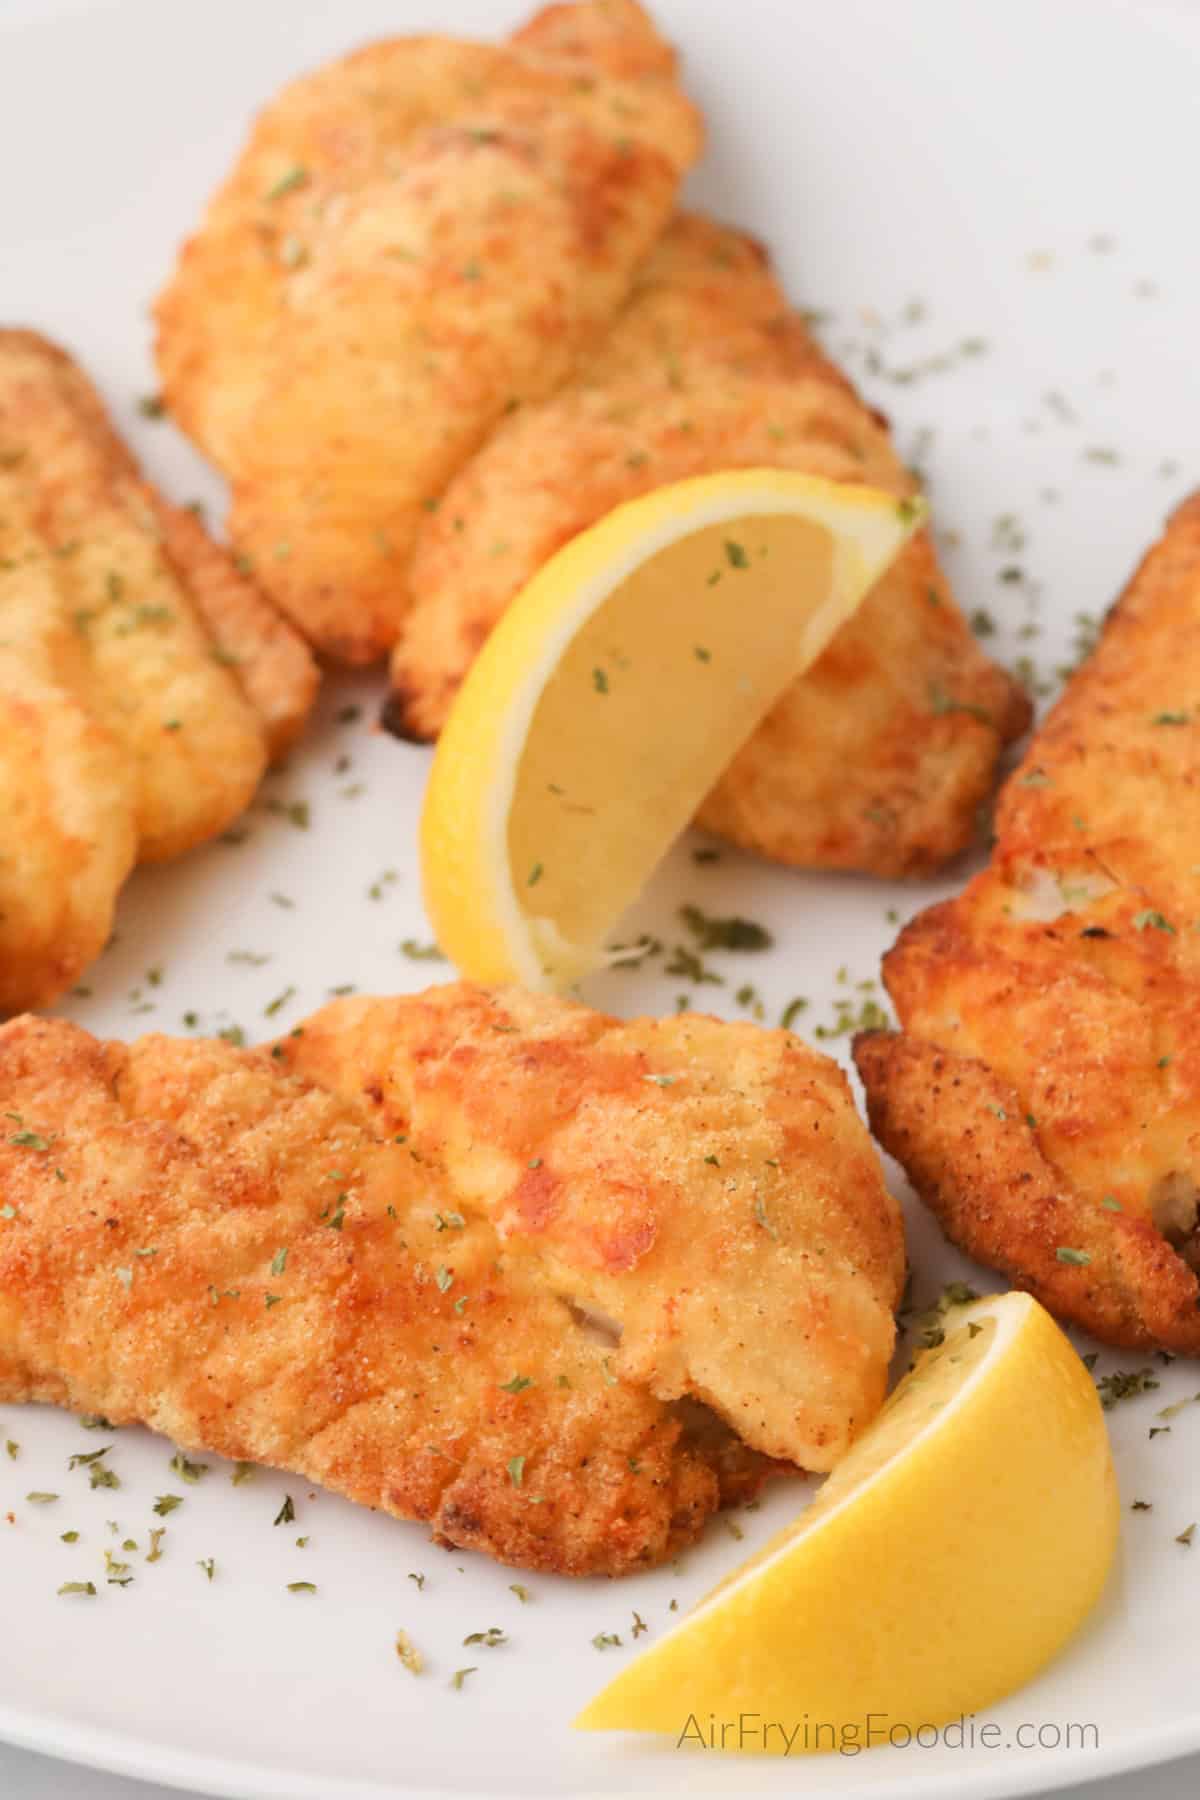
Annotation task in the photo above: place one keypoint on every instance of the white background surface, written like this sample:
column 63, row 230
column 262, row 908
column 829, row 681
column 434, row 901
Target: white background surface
column 932, row 176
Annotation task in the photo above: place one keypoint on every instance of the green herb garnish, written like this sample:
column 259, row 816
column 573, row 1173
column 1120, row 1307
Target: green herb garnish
column 1124, row 1384
column 292, row 178
column 418, row 952
column 760, row 1214
column 83, row 1459
column 725, row 934
column 187, row 1471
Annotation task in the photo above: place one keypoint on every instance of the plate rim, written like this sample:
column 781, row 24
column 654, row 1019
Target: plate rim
column 233, row 1778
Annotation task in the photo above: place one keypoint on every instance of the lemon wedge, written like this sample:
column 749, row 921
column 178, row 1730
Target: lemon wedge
column 616, row 689
column 955, row 1549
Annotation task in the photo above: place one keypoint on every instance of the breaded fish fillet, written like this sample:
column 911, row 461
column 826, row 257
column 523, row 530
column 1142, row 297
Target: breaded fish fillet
column 706, row 1186
column 143, row 681
column 68, row 836
column 416, row 238
column 387, row 1287
column 879, row 758
column 1044, row 1093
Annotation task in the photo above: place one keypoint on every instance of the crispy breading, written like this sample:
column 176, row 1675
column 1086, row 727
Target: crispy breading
column 705, row 1186
column 200, row 1239
column 346, row 123
column 67, row 792
column 65, row 418
column 220, row 1263
column 273, row 665
column 879, row 758
column 127, row 738
column 415, row 238
column 1044, row 1093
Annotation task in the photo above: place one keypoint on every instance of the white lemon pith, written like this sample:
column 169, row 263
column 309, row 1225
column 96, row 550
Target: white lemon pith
column 616, row 689
column 954, row 1551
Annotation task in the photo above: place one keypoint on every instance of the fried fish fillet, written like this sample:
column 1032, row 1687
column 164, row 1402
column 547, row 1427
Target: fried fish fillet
column 1044, row 1093
column 375, row 1256
column 705, row 1186
column 879, row 758
column 416, row 238
column 143, row 681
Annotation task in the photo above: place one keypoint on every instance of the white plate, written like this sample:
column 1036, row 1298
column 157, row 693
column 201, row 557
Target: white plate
column 999, row 200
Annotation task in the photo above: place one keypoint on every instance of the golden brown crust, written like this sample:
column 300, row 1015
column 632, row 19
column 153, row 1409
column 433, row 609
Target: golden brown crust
column 593, row 1141
column 217, row 1260
column 975, row 1160
column 272, row 664
column 361, row 303
column 1045, row 1095
column 67, row 791
column 124, row 733
column 881, row 756
column 362, row 1274
column 616, row 36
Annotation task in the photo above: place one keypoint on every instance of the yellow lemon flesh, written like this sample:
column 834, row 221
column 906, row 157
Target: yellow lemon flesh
column 615, row 690
column 949, row 1556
